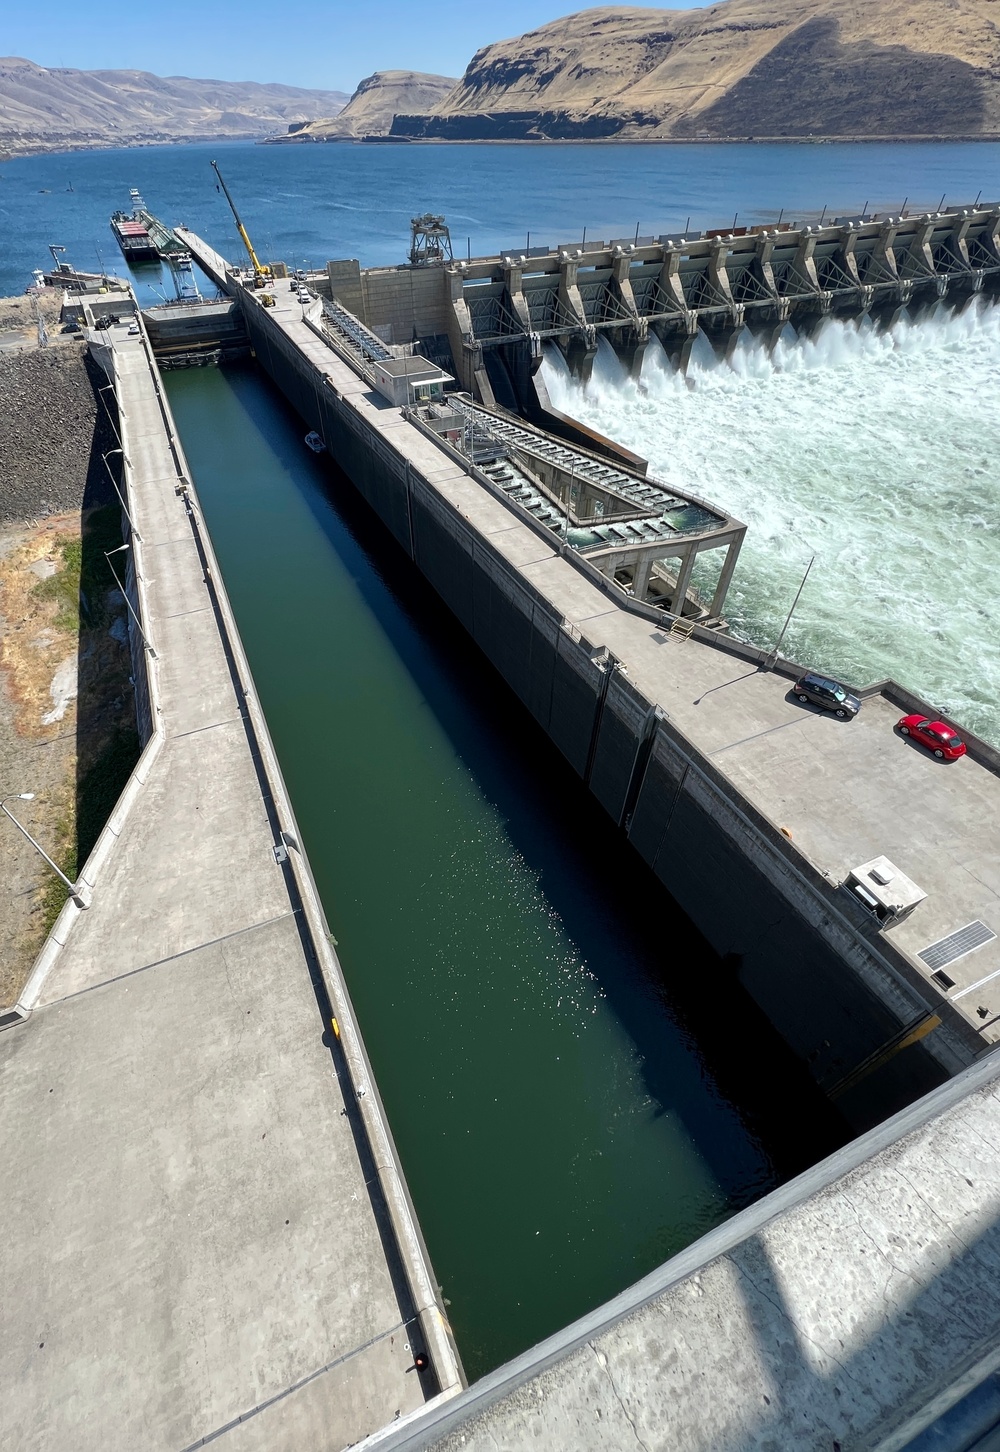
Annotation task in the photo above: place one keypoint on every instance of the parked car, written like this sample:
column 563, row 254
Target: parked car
column 831, row 695
column 935, row 735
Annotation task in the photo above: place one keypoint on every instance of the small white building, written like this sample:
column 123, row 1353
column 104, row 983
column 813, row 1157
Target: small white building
column 407, row 381
column 887, row 893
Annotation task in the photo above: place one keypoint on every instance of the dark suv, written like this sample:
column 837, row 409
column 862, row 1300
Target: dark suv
column 831, row 695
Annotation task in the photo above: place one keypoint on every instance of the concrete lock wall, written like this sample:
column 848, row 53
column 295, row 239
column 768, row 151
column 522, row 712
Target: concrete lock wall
column 783, row 932
column 412, row 301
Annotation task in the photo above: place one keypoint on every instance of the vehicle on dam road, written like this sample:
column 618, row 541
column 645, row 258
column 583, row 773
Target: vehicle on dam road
column 828, row 694
column 935, row 735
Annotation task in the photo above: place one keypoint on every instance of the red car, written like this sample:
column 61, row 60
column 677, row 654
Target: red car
column 935, row 735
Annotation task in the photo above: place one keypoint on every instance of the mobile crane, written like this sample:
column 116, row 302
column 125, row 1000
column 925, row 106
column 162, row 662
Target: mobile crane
column 261, row 273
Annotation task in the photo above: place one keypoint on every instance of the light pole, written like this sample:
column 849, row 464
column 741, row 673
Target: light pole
column 114, row 481
column 777, row 644
column 74, row 891
column 128, row 602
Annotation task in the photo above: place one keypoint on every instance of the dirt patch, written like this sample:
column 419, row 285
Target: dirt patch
column 67, row 720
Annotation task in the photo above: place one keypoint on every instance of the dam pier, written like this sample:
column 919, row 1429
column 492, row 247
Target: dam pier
column 491, row 316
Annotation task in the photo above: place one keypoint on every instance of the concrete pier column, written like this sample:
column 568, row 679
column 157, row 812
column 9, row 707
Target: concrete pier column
column 717, row 274
column 846, row 254
column 726, row 576
column 512, row 277
column 579, row 350
column 765, row 250
column 621, row 273
column 884, row 266
column 683, row 581
column 990, row 236
column 805, row 262
column 569, row 292
column 670, row 282
column 630, row 346
column 957, row 241
column 919, row 257
column 640, row 581
column 466, row 352
column 678, row 345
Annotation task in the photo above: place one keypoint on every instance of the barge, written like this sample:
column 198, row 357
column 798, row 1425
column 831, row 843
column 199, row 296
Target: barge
column 132, row 234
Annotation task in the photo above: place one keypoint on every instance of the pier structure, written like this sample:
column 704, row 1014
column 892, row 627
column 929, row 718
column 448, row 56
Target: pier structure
column 854, row 1307
column 492, row 315
column 209, row 1239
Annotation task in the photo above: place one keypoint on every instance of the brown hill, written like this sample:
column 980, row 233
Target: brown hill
column 739, row 68
column 47, row 110
column 376, row 101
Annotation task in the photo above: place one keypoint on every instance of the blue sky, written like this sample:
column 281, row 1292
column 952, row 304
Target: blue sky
column 330, row 44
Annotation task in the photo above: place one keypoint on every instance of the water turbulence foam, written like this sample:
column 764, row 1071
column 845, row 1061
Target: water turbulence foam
column 875, row 451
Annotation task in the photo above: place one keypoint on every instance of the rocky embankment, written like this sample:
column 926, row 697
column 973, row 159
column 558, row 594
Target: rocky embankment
column 53, row 429
column 742, row 68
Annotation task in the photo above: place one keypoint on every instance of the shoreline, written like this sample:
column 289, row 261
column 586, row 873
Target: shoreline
column 68, row 147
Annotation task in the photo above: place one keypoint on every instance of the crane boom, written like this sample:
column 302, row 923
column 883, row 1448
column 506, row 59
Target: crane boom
column 259, row 271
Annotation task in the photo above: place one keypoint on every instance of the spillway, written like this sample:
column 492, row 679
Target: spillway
column 875, row 452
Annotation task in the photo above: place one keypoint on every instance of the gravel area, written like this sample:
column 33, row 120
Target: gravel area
column 50, row 422
column 33, row 758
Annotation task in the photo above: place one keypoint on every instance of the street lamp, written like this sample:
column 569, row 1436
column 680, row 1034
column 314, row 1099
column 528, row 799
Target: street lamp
column 777, row 643
column 74, row 891
column 114, row 481
column 128, row 602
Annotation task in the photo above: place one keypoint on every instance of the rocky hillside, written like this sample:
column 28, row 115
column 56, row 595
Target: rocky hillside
column 55, row 110
column 740, row 68
column 376, row 101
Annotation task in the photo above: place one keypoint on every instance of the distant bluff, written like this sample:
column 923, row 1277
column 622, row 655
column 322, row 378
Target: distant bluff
column 773, row 68
column 376, row 101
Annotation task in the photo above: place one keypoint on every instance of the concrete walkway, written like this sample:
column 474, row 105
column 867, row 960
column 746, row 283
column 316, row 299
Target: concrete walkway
column 207, row 1237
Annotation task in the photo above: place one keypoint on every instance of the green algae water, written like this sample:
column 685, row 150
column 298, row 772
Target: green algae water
column 535, row 1007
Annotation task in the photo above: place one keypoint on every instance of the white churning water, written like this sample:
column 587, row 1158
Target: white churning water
column 878, row 453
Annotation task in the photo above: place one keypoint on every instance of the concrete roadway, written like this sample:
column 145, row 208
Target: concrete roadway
column 195, row 1244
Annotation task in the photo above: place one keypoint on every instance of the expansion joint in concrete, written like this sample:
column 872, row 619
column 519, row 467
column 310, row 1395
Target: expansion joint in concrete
column 174, row 957
column 294, row 1386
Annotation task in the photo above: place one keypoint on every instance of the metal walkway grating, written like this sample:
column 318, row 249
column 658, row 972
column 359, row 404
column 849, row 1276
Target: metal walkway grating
column 956, row 945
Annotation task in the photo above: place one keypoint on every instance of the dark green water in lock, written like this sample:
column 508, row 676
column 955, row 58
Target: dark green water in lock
column 576, row 1087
